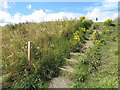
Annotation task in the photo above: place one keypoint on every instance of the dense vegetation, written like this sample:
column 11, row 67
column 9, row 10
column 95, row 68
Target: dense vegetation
column 52, row 43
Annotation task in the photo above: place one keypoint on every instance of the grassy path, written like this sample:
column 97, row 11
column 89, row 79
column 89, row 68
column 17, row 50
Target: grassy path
column 63, row 81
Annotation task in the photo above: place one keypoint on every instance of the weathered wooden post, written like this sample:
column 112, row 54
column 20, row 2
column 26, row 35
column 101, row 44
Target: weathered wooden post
column 30, row 52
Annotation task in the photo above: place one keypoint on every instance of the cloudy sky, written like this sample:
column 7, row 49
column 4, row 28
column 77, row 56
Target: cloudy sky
column 16, row 11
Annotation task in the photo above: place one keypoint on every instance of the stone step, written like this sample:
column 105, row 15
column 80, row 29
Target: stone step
column 88, row 44
column 60, row 82
column 80, row 53
column 67, row 68
column 72, row 60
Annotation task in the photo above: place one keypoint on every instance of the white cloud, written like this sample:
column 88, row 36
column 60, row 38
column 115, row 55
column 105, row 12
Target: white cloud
column 109, row 5
column 62, row 15
column 41, row 15
column 3, row 24
column 108, row 10
column 4, row 16
column 47, row 10
column 37, row 16
column 101, row 15
column 4, row 4
column 29, row 6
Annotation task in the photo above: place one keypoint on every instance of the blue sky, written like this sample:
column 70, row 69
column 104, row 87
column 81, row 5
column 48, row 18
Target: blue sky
column 54, row 7
column 16, row 12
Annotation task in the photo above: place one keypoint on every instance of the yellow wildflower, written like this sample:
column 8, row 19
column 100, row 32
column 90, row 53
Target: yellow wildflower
column 94, row 33
column 76, row 37
column 97, row 42
column 76, row 33
column 83, row 29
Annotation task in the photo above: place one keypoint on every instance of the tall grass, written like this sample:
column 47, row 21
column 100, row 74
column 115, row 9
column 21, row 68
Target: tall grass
column 52, row 42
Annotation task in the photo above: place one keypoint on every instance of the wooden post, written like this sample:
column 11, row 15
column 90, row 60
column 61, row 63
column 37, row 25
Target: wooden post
column 29, row 52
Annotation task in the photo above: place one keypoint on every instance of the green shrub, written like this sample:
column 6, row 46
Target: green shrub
column 84, row 23
column 108, row 22
column 82, row 18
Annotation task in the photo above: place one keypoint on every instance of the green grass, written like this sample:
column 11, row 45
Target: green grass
column 107, row 75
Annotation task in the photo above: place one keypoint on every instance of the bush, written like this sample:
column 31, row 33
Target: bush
column 82, row 18
column 84, row 23
column 108, row 22
column 87, row 23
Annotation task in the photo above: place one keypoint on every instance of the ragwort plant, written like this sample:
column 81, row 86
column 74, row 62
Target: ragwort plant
column 81, row 33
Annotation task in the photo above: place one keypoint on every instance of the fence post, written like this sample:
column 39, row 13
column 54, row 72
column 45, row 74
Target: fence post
column 30, row 52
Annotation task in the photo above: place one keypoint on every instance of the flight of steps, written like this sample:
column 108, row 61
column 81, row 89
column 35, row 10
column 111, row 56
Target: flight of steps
column 76, row 54
column 63, row 81
column 69, row 68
